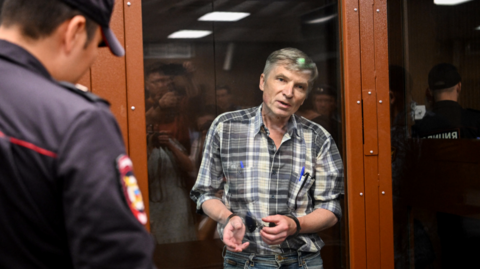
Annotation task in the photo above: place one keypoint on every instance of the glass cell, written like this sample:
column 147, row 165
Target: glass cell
column 197, row 69
column 434, row 73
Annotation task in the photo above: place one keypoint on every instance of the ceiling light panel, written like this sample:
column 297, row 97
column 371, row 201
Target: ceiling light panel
column 321, row 20
column 189, row 34
column 449, row 2
column 223, row 16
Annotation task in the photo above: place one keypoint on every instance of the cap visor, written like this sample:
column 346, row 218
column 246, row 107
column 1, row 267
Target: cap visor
column 112, row 42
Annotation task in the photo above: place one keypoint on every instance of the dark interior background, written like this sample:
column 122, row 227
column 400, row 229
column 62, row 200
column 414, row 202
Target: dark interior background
column 272, row 25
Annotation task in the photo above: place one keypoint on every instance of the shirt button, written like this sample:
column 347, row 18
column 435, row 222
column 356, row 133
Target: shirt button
column 273, row 196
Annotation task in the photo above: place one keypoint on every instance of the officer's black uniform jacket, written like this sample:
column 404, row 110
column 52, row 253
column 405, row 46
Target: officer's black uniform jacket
column 448, row 120
column 60, row 200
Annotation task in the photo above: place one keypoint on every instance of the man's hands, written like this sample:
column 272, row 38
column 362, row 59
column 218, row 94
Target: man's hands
column 168, row 100
column 164, row 139
column 284, row 227
column 233, row 235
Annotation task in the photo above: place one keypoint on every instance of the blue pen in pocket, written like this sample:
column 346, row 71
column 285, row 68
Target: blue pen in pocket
column 241, row 164
column 301, row 174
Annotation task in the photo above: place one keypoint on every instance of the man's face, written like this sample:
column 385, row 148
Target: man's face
column 223, row 98
column 157, row 85
column 284, row 91
column 324, row 104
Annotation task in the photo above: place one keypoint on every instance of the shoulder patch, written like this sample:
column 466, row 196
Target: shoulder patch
column 444, row 134
column 85, row 94
column 129, row 185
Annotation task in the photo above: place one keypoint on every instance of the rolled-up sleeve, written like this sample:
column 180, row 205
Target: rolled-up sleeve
column 210, row 175
column 329, row 184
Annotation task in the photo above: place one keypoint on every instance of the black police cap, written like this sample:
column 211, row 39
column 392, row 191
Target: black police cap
column 443, row 76
column 100, row 11
column 325, row 89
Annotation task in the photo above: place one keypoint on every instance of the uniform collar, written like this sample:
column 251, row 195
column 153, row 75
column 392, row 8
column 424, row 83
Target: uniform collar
column 292, row 126
column 18, row 55
column 446, row 104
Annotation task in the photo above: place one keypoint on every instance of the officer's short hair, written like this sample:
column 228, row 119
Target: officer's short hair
column 295, row 60
column 39, row 18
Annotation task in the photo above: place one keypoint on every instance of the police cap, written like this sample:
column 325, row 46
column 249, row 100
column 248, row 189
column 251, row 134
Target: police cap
column 325, row 89
column 443, row 76
column 100, row 11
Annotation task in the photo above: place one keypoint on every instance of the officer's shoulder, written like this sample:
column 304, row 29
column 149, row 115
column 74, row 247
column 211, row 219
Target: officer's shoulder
column 86, row 95
column 473, row 111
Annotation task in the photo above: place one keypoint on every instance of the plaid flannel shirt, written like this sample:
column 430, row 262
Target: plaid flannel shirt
column 260, row 180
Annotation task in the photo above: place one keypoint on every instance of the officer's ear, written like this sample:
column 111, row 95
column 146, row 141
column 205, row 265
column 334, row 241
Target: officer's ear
column 75, row 33
column 459, row 87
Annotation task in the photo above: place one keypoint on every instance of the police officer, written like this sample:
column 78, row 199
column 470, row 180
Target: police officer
column 447, row 120
column 68, row 196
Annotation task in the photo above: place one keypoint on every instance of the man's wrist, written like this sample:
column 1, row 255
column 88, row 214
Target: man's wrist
column 230, row 217
column 296, row 225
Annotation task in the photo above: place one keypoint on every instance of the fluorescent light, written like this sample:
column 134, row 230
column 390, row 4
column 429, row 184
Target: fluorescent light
column 223, row 16
column 189, row 34
column 323, row 19
column 449, row 2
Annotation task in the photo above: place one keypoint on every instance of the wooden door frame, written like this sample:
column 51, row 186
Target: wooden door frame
column 137, row 147
column 367, row 112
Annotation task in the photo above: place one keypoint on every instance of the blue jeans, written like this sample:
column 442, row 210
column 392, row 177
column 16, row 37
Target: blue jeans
column 300, row 260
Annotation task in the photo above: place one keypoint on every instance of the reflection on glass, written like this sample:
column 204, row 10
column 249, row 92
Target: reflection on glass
column 190, row 81
column 435, row 126
column 321, row 108
column 447, row 119
column 169, row 165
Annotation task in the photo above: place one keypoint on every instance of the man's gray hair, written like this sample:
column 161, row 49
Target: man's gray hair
column 294, row 60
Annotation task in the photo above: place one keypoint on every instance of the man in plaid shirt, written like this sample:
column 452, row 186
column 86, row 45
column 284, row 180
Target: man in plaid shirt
column 282, row 175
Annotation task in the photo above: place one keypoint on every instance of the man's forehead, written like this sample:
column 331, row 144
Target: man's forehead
column 158, row 75
column 222, row 91
column 281, row 67
column 324, row 96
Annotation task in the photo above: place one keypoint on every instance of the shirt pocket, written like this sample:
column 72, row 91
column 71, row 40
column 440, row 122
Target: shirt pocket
column 239, row 189
column 298, row 194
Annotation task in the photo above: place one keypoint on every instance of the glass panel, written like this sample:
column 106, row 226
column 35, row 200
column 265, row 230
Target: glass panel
column 190, row 81
column 434, row 54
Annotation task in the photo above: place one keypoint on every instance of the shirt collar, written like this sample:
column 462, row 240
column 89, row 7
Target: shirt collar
column 18, row 55
column 292, row 126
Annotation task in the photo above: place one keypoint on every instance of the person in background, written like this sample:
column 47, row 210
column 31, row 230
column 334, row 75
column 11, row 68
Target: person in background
column 224, row 99
column 324, row 99
column 68, row 195
column 282, row 175
column 448, row 119
column 458, row 234
column 170, row 168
